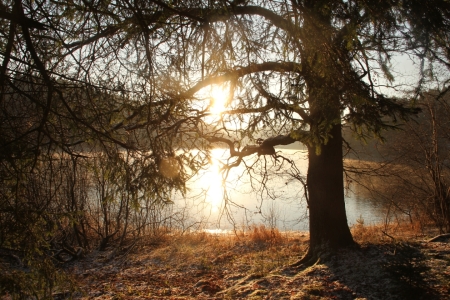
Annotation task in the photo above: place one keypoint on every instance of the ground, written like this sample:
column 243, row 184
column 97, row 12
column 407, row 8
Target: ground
column 258, row 265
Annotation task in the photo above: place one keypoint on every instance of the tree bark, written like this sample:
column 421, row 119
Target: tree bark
column 327, row 217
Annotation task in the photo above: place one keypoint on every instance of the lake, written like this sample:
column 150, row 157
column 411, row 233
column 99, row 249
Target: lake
column 261, row 191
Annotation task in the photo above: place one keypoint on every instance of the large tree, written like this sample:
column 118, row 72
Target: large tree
column 135, row 74
column 297, row 69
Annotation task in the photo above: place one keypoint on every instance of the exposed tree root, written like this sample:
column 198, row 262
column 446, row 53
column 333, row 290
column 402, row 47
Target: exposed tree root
column 316, row 255
column 309, row 259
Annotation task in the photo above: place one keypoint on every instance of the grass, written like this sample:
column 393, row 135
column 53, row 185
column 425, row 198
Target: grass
column 396, row 232
column 258, row 250
column 391, row 263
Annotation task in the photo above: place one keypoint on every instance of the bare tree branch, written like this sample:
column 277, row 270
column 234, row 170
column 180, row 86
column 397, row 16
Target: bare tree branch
column 242, row 71
column 266, row 147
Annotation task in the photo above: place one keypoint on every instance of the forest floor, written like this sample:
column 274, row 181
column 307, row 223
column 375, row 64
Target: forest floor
column 258, row 265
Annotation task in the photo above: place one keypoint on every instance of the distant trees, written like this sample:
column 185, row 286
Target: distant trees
column 416, row 165
column 429, row 142
column 117, row 93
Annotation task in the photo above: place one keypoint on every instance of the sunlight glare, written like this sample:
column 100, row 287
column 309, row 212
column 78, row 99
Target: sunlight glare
column 214, row 193
column 218, row 100
column 212, row 181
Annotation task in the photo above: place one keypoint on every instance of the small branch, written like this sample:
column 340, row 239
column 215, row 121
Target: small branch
column 21, row 20
column 13, row 256
column 439, row 238
column 279, row 104
column 388, row 235
column 278, row 140
column 266, row 147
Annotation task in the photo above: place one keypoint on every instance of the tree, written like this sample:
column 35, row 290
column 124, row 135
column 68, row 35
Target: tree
column 134, row 75
column 323, row 57
column 415, row 165
column 305, row 66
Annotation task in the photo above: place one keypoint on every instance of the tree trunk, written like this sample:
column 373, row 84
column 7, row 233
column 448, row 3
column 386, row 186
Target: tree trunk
column 327, row 217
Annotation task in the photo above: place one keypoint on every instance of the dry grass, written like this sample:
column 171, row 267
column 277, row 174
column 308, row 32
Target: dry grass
column 256, row 264
column 261, row 235
column 261, row 247
column 397, row 232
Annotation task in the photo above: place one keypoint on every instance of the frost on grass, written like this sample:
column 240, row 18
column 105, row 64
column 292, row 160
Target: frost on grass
column 250, row 267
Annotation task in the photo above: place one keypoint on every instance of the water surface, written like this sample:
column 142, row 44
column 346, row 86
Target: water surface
column 260, row 191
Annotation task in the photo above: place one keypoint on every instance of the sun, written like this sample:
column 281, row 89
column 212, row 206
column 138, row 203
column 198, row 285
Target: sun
column 219, row 99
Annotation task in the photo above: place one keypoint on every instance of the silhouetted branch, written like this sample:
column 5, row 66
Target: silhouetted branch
column 21, row 20
column 266, row 147
column 242, row 71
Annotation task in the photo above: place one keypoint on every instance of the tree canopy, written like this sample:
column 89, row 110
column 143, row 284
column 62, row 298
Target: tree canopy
column 149, row 60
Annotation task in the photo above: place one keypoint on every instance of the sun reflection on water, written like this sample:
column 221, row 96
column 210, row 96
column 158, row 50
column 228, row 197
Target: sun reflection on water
column 214, row 185
column 248, row 205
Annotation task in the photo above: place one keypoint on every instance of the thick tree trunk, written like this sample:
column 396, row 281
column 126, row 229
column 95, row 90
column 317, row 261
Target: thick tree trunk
column 327, row 217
